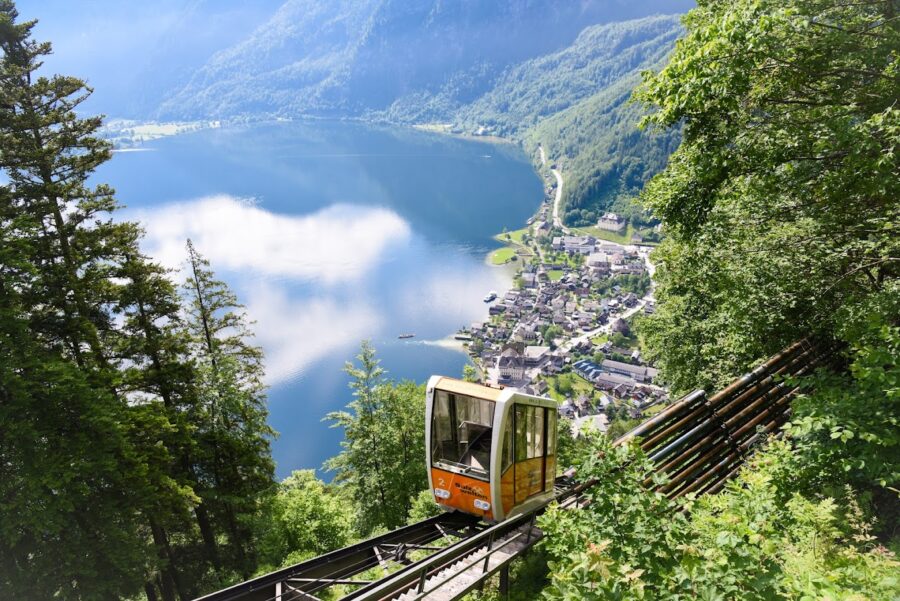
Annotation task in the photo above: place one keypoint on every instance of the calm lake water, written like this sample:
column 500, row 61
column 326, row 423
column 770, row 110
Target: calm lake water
column 331, row 233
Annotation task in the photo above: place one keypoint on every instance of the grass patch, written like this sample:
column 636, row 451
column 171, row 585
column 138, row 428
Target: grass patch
column 555, row 274
column 599, row 340
column 568, row 385
column 596, row 232
column 514, row 236
column 504, row 255
column 651, row 411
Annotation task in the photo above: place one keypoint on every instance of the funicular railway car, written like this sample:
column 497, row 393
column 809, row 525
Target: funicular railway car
column 491, row 452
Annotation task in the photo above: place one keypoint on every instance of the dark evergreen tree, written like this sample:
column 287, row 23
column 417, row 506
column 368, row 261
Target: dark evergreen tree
column 159, row 371
column 106, row 480
column 84, row 471
column 61, row 450
column 232, row 432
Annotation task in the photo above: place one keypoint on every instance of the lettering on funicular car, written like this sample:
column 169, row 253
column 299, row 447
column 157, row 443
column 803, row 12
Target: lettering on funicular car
column 462, row 493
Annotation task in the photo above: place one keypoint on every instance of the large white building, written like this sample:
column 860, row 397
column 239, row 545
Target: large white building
column 611, row 222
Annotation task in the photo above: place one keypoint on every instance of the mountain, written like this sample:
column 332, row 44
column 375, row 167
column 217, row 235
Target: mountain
column 355, row 57
column 599, row 57
column 135, row 53
column 605, row 158
column 575, row 103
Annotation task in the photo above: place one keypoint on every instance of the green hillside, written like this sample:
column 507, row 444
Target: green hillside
column 576, row 104
column 418, row 61
column 543, row 87
column 604, row 157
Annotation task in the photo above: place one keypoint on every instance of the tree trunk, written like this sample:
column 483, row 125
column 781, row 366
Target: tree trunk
column 170, row 578
column 209, row 537
column 150, row 591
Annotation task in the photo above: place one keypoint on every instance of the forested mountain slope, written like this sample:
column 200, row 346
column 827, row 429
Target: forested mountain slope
column 575, row 103
column 345, row 58
column 599, row 57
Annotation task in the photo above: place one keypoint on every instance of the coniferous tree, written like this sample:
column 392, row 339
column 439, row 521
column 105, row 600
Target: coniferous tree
column 382, row 456
column 160, row 370
column 231, row 426
column 83, row 470
column 105, row 478
column 61, row 449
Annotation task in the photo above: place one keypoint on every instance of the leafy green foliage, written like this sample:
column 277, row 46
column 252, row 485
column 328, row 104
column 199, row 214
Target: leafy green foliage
column 422, row 507
column 568, row 448
column 759, row 539
column 781, row 202
column 638, row 285
column 848, row 431
column 304, row 518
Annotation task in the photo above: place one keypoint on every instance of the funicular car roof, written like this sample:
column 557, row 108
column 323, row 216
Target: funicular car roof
column 488, row 393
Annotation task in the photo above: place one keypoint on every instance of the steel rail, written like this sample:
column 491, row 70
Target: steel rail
column 403, row 581
column 386, row 560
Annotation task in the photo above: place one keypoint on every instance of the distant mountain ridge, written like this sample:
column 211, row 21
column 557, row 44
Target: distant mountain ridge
column 349, row 57
column 516, row 68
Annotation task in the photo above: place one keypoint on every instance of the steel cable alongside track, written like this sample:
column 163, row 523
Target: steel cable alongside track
column 698, row 443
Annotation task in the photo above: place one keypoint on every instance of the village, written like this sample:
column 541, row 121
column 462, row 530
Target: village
column 566, row 328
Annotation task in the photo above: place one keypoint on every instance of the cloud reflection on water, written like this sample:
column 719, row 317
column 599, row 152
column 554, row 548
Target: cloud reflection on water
column 297, row 332
column 336, row 244
column 264, row 255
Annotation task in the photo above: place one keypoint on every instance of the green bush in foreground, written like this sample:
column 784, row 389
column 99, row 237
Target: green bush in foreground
column 758, row 539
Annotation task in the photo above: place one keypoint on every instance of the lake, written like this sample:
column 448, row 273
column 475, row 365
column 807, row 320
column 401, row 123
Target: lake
column 331, row 233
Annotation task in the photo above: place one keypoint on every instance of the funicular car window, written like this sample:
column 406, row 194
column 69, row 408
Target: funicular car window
column 461, row 433
column 530, row 444
column 551, row 434
column 538, row 440
column 521, row 433
column 506, row 457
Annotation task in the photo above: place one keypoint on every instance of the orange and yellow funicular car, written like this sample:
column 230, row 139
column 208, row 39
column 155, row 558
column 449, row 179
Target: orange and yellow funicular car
column 490, row 452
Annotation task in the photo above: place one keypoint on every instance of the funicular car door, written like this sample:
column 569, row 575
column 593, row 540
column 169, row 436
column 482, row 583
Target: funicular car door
column 530, row 427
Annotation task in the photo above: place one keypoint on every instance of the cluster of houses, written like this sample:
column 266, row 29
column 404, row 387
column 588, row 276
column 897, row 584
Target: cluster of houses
column 621, row 379
column 556, row 298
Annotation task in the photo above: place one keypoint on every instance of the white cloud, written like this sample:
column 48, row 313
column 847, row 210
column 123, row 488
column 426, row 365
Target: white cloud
column 336, row 244
column 295, row 333
column 262, row 251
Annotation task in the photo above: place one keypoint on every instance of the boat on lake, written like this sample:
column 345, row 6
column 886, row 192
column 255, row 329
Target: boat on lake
column 491, row 296
column 404, row 336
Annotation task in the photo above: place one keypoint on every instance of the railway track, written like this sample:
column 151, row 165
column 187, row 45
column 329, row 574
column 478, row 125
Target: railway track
column 698, row 443
column 389, row 552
